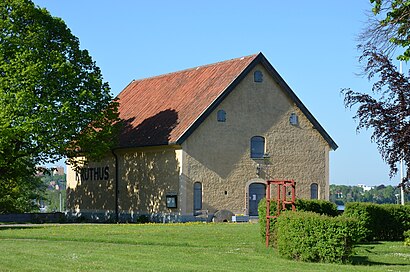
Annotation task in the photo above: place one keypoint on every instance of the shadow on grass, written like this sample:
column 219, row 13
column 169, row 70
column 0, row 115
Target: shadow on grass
column 363, row 260
column 364, row 251
column 20, row 226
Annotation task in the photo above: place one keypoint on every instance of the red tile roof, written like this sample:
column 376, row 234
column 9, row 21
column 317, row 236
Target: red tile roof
column 159, row 110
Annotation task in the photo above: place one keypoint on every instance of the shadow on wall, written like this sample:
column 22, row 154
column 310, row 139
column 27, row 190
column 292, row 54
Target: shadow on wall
column 205, row 208
column 149, row 174
column 94, row 192
column 148, row 177
column 145, row 177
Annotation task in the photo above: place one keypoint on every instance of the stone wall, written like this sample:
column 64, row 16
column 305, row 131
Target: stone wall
column 217, row 154
column 146, row 176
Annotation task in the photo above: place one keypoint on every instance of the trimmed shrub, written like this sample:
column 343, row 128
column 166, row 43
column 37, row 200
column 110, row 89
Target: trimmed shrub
column 406, row 235
column 262, row 220
column 308, row 236
column 381, row 222
column 317, row 206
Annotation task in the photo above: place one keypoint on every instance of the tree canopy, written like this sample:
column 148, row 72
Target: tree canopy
column 53, row 100
column 387, row 110
column 388, row 27
column 341, row 194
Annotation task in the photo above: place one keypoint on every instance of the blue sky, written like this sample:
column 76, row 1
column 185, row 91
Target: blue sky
column 312, row 44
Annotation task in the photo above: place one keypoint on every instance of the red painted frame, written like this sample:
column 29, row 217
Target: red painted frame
column 281, row 200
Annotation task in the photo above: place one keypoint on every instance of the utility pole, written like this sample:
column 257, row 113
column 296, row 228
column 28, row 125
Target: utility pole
column 61, row 202
column 401, row 161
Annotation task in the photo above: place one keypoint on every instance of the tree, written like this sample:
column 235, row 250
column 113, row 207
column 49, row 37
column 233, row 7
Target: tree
column 388, row 114
column 53, row 101
column 17, row 193
column 388, row 27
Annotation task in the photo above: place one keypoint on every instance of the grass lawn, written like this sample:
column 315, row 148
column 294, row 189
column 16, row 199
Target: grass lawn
column 168, row 247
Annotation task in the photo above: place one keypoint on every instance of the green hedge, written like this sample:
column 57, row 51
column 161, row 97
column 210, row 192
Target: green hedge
column 407, row 238
column 308, row 236
column 317, row 206
column 381, row 222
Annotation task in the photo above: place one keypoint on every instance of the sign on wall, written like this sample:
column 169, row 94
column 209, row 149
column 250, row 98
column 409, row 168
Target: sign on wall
column 93, row 173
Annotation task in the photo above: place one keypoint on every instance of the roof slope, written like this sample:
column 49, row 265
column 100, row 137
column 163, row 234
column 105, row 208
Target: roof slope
column 166, row 109
column 158, row 110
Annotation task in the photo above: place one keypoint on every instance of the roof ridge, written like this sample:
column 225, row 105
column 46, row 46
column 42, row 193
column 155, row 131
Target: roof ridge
column 195, row 68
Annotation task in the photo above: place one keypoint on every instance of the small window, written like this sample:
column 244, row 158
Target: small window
column 221, row 116
column 197, row 196
column 293, row 119
column 257, row 147
column 314, row 191
column 257, row 76
column 171, row 201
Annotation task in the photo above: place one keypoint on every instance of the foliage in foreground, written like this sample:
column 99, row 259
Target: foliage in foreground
column 16, row 195
column 318, row 206
column 379, row 222
column 53, row 101
column 406, row 235
column 308, row 236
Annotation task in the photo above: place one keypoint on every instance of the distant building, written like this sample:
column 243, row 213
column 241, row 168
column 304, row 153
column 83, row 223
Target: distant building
column 204, row 140
column 58, row 170
column 54, row 170
column 365, row 188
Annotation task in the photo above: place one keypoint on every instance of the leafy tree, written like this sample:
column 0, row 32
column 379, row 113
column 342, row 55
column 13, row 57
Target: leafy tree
column 17, row 194
column 388, row 27
column 53, row 101
column 387, row 112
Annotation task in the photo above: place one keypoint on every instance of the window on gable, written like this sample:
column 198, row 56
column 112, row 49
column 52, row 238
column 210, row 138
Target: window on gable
column 314, row 191
column 257, row 147
column 257, row 76
column 293, row 119
column 221, row 116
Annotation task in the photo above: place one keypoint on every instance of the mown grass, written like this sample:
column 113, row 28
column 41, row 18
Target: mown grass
column 168, row 247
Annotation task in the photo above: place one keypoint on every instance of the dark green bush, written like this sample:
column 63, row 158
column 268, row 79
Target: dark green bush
column 317, row 206
column 311, row 237
column 381, row 222
column 143, row 219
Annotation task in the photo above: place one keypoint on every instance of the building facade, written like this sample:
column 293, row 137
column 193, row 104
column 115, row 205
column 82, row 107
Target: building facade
column 204, row 140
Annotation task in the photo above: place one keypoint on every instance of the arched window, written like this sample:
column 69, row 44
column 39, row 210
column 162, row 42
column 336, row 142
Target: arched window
column 197, row 196
column 257, row 147
column 314, row 191
column 257, row 76
column 221, row 116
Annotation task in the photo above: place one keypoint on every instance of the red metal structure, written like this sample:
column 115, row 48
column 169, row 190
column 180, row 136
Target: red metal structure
column 281, row 200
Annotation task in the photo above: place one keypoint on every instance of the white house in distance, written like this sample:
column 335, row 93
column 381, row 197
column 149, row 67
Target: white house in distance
column 203, row 140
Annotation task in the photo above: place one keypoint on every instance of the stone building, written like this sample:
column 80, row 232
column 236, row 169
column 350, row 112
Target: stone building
column 204, row 140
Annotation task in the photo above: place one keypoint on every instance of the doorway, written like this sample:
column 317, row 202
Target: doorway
column 257, row 191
